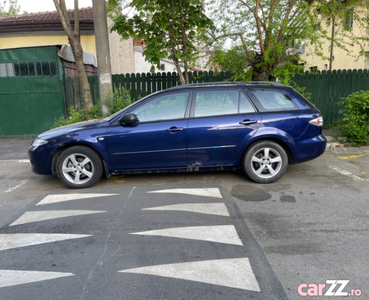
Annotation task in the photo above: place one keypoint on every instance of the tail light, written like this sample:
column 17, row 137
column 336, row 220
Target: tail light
column 317, row 122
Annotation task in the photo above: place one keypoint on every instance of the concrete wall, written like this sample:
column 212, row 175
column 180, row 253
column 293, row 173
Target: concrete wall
column 121, row 53
column 351, row 59
column 142, row 66
column 42, row 38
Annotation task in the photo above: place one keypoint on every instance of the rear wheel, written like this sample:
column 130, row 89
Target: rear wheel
column 79, row 167
column 265, row 162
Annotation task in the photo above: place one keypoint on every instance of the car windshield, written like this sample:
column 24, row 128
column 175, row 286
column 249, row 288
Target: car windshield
column 117, row 113
column 127, row 107
column 120, row 111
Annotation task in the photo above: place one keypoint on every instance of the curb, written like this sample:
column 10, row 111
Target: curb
column 337, row 148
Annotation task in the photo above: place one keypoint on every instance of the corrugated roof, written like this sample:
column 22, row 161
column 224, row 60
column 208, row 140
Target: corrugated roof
column 45, row 19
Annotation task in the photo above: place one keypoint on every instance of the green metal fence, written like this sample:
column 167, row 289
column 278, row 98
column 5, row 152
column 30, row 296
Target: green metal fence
column 328, row 87
column 139, row 85
column 143, row 84
column 325, row 88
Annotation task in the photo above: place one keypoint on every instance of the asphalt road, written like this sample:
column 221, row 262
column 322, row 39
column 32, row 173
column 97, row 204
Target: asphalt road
column 219, row 237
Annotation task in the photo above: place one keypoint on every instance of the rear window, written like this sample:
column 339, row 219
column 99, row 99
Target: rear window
column 271, row 100
column 218, row 102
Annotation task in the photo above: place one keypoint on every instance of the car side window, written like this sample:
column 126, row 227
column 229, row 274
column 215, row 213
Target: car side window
column 271, row 100
column 245, row 105
column 166, row 107
column 213, row 103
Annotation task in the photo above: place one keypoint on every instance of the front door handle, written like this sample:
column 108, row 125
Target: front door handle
column 175, row 129
column 248, row 122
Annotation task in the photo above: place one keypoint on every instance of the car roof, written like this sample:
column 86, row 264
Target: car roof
column 229, row 83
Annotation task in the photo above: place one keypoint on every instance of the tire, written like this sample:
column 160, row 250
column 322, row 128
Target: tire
column 79, row 167
column 265, row 162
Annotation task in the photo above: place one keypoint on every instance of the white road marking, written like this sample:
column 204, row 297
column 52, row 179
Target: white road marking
column 234, row 273
column 346, row 173
column 17, row 240
column 68, row 197
column 36, row 216
column 217, row 209
column 23, row 182
column 24, row 161
column 11, row 277
column 206, row 192
column 15, row 161
column 225, row 234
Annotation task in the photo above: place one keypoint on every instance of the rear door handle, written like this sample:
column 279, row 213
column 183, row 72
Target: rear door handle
column 175, row 129
column 248, row 122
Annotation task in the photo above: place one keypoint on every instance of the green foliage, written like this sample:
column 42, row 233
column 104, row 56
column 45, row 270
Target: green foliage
column 169, row 27
column 9, row 7
column 120, row 99
column 258, row 39
column 355, row 117
column 75, row 116
column 234, row 61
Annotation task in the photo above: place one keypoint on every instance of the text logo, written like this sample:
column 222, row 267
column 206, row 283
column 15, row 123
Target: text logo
column 329, row 288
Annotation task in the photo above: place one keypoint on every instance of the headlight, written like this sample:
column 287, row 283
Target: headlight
column 39, row 142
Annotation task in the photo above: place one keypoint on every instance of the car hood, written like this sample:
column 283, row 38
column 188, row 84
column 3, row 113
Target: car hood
column 69, row 128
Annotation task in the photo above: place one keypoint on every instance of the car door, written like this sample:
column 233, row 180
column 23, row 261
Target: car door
column 157, row 141
column 222, row 121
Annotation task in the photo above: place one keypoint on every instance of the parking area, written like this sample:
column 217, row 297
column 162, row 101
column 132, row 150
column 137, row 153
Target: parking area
column 308, row 228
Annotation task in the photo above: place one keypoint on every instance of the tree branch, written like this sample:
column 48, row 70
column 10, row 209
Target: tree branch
column 172, row 43
column 216, row 38
column 255, row 12
column 76, row 19
column 63, row 15
column 184, row 39
column 285, row 20
column 269, row 30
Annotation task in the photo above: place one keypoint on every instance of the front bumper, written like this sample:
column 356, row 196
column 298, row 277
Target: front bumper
column 41, row 160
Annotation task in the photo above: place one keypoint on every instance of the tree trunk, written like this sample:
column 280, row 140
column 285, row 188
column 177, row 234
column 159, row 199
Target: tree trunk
column 180, row 75
column 75, row 42
column 83, row 80
column 184, row 39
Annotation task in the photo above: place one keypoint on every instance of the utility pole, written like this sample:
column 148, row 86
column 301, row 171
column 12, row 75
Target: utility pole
column 103, row 55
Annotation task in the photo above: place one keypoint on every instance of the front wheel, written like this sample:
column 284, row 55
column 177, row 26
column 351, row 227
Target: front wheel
column 79, row 167
column 265, row 162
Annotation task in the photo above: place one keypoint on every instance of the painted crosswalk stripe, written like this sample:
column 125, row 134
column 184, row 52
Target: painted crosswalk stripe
column 12, row 277
column 37, row 216
column 17, row 240
column 225, row 234
column 205, row 192
column 68, row 197
column 234, row 273
column 217, row 209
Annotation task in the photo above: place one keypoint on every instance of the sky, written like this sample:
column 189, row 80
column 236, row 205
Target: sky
column 31, row 6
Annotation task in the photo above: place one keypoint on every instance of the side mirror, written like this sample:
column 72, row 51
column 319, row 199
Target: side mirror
column 129, row 119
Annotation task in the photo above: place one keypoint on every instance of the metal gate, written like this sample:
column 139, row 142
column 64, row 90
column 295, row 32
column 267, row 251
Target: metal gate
column 32, row 92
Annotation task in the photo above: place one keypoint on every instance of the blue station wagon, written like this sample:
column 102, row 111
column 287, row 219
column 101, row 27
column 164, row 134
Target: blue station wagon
column 260, row 127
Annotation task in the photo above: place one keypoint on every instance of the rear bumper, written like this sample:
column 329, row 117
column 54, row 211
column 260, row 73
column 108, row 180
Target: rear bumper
column 309, row 149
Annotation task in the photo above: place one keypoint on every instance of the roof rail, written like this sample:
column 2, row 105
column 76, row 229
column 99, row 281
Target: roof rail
column 272, row 83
